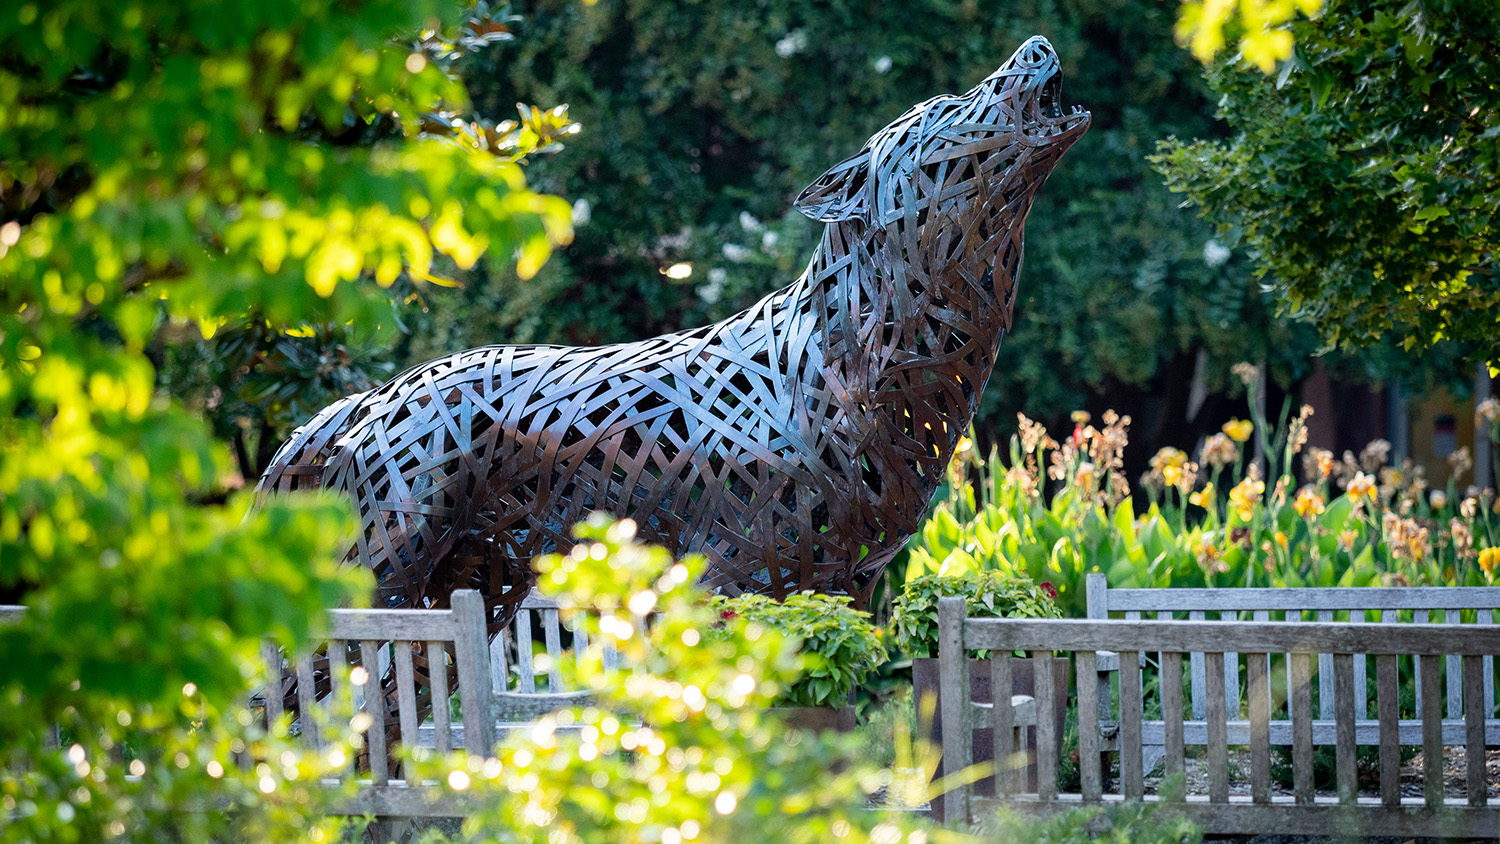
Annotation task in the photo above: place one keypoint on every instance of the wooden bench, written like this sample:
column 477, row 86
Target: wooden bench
column 375, row 644
column 1384, row 605
column 523, row 688
column 1259, row 811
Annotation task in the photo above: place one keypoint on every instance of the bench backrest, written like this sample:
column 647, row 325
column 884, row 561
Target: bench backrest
column 1302, row 813
column 1355, row 605
column 371, row 646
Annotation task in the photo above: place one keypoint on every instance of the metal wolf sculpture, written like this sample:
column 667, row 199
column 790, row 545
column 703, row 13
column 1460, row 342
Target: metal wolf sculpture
column 796, row 444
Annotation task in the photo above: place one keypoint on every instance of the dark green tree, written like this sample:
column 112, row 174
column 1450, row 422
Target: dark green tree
column 703, row 120
column 1363, row 180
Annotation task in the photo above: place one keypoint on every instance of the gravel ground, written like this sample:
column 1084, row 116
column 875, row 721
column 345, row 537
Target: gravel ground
column 1455, row 776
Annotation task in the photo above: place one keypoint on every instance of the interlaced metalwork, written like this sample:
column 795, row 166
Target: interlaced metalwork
column 796, row 444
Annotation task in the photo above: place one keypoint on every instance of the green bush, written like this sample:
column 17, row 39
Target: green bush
column 838, row 644
column 989, row 594
column 678, row 749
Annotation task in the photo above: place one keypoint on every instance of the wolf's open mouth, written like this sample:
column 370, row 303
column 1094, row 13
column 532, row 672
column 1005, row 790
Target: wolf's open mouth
column 1049, row 106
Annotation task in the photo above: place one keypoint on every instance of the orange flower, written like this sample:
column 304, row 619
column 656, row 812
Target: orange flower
column 1308, row 503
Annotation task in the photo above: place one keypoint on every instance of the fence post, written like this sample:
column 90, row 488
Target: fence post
column 471, row 653
column 953, row 688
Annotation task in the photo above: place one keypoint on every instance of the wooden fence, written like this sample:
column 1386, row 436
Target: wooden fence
column 1302, row 812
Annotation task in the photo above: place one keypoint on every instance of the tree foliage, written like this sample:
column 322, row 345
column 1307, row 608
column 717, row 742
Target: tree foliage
column 1364, row 181
column 704, row 120
column 208, row 166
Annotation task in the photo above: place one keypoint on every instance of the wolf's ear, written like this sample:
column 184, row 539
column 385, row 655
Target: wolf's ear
column 840, row 194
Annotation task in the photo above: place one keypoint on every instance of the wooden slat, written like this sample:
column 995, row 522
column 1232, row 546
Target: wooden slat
column 1171, row 710
column 406, row 692
column 1090, row 774
column 1325, row 674
column 1196, row 673
column 525, row 669
column 1218, row 746
column 470, row 647
column 307, row 696
column 1432, row 735
column 271, row 656
column 1078, row 634
column 953, row 681
column 1264, row 615
column 1486, row 616
column 499, row 665
column 1474, row 721
column 1044, row 690
column 1455, row 678
column 1366, row 733
column 552, row 635
column 580, row 643
column 390, row 624
column 1346, row 774
column 609, row 655
column 374, row 706
column 1257, row 685
column 1387, row 696
column 1302, row 717
column 514, row 706
column 1096, row 589
column 437, row 659
column 1322, row 598
column 1418, row 617
column 1289, row 616
column 1231, row 671
column 1003, row 728
column 1130, row 724
column 1361, row 682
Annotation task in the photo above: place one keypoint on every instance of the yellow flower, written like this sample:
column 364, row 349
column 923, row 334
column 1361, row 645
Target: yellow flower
column 1281, row 539
column 1308, row 503
column 1362, row 486
column 1346, row 539
column 1080, row 417
column 1238, row 429
column 1172, row 475
column 1245, row 495
column 1203, row 498
column 1489, row 560
column 1169, row 456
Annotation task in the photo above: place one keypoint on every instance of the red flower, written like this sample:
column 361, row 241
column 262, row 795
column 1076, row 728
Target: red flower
column 729, row 614
column 1047, row 588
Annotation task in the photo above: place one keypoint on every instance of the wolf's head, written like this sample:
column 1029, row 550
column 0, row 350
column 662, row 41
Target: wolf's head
column 957, row 167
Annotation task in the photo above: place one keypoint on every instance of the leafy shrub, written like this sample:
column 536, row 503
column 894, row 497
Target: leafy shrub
column 990, row 594
column 838, row 644
column 680, row 747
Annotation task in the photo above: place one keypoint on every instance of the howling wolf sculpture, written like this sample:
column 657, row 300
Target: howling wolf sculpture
column 795, row 444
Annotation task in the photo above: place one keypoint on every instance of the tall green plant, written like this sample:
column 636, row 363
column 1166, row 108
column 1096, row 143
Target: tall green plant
column 1214, row 521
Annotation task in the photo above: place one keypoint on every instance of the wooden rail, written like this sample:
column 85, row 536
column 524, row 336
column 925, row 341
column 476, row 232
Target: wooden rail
column 1303, row 812
column 1419, row 606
